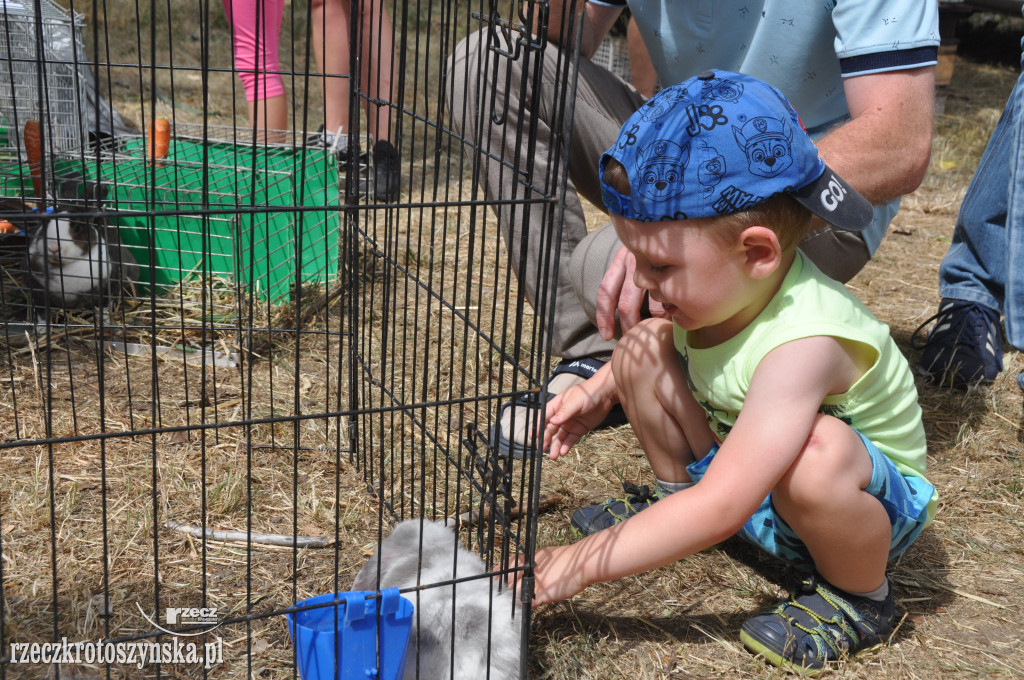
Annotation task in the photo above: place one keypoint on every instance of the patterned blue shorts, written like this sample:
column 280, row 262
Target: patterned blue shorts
column 905, row 498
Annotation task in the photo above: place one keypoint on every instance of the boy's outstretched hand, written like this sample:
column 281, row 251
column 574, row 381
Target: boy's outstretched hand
column 558, row 574
column 578, row 410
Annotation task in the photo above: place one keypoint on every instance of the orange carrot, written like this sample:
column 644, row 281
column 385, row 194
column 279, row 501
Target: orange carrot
column 159, row 138
column 34, row 150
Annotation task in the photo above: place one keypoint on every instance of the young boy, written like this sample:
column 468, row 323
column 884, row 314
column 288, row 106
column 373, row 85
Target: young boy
column 772, row 404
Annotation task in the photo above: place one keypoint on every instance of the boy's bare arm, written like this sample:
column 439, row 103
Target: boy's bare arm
column 779, row 410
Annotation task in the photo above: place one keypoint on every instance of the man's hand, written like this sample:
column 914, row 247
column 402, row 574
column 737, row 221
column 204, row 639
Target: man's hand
column 618, row 293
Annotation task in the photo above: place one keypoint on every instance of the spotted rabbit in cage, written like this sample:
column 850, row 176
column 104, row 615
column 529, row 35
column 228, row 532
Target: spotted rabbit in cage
column 469, row 627
column 75, row 257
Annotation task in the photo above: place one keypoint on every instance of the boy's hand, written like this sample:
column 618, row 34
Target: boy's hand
column 573, row 413
column 558, row 574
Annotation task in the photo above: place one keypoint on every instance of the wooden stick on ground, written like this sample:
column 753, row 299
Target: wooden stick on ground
column 230, row 535
column 547, row 502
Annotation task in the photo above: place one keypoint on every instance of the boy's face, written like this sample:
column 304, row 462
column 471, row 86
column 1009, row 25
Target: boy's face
column 699, row 279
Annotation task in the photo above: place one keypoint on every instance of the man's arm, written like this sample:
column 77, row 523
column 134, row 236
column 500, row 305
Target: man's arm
column 597, row 21
column 883, row 150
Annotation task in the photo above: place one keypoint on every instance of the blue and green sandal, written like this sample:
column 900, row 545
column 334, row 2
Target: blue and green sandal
column 817, row 625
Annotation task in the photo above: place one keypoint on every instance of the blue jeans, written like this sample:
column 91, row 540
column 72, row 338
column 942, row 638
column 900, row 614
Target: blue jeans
column 985, row 262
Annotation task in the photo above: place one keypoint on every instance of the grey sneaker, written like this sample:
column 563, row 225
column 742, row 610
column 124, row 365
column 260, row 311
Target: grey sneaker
column 593, row 518
column 325, row 139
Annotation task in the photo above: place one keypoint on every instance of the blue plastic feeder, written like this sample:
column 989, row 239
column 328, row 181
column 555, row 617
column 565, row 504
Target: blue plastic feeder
column 347, row 635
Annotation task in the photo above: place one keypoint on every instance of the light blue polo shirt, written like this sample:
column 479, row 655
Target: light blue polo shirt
column 803, row 47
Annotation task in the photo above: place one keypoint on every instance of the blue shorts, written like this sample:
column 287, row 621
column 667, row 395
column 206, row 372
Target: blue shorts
column 905, row 498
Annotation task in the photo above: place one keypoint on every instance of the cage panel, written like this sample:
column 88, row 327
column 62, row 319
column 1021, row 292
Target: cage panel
column 41, row 52
column 297, row 367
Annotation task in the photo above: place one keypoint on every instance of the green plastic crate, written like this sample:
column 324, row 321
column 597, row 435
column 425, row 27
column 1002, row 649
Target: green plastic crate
column 219, row 209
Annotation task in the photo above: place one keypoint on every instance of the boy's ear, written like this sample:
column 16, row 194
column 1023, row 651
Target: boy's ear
column 761, row 248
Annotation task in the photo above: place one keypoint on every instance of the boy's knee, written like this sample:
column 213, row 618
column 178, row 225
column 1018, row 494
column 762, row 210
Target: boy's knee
column 832, row 455
column 644, row 346
column 654, row 330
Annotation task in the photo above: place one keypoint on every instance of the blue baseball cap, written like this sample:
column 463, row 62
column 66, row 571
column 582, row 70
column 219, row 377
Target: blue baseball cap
column 719, row 143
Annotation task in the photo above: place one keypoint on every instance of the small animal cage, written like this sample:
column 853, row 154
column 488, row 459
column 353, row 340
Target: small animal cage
column 157, row 492
column 613, row 54
column 41, row 53
column 215, row 207
column 212, row 220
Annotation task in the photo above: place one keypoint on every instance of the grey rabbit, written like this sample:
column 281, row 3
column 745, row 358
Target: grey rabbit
column 75, row 257
column 483, row 612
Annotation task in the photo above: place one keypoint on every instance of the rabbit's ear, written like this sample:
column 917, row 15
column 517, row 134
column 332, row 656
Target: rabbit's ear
column 394, row 551
column 73, row 186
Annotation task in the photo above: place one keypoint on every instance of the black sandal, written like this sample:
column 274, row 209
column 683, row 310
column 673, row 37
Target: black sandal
column 585, row 367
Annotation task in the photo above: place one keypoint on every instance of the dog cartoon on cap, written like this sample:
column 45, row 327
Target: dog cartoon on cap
column 766, row 143
column 723, row 142
column 721, row 89
column 711, row 168
column 660, row 167
column 655, row 108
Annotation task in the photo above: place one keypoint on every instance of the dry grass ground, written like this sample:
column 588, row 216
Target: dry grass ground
column 959, row 586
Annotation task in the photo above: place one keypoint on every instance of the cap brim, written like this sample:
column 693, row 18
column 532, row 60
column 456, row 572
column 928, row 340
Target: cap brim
column 831, row 198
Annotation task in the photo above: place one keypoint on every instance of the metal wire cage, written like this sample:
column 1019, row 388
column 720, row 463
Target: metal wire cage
column 299, row 363
column 41, row 50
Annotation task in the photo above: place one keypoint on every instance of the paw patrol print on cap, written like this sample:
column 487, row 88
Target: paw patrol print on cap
column 719, row 143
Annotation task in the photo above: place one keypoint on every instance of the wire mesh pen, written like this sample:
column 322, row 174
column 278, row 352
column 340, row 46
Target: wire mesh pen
column 294, row 368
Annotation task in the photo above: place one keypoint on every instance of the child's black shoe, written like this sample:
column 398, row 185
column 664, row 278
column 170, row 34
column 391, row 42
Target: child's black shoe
column 387, row 184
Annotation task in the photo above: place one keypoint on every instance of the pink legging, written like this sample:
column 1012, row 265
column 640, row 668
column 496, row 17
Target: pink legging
column 256, row 60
